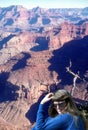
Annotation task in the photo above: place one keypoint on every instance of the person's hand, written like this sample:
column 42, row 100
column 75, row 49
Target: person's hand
column 47, row 98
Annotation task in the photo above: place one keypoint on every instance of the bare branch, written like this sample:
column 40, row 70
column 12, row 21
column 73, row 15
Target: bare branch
column 76, row 76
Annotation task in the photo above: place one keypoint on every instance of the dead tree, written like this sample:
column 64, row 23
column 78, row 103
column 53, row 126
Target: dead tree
column 76, row 76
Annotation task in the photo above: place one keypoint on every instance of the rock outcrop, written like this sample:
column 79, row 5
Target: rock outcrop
column 48, row 52
column 12, row 44
column 13, row 18
column 27, row 77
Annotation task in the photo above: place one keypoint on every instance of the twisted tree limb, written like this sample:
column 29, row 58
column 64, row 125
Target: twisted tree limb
column 75, row 75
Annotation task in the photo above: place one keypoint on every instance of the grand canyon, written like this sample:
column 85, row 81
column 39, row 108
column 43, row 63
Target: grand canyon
column 41, row 50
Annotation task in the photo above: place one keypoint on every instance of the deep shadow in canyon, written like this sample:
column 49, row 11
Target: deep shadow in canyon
column 74, row 52
column 42, row 44
column 32, row 112
column 21, row 62
column 8, row 91
column 5, row 40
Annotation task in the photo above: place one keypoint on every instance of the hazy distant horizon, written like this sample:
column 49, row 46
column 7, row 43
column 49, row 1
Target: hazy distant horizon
column 29, row 4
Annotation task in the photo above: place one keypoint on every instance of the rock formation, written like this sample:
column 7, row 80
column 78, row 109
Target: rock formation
column 34, row 58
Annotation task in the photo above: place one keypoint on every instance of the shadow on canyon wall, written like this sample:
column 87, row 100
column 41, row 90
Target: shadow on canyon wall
column 42, row 44
column 75, row 51
column 8, row 91
column 22, row 62
column 5, row 40
column 32, row 112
